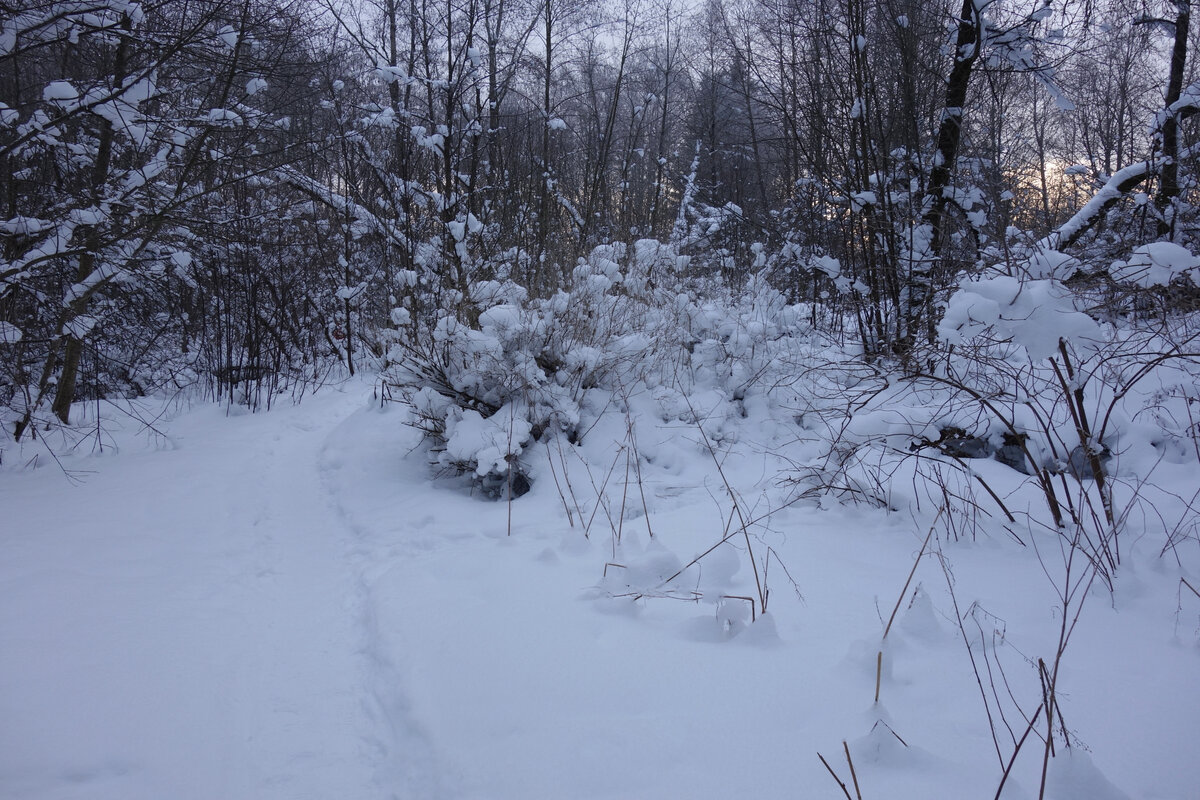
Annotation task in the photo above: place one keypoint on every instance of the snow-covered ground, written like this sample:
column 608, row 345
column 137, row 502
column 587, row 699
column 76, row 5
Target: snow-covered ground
column 292, row 605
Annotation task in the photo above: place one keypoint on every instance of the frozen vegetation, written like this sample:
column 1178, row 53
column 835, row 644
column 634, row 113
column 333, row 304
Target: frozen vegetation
column 556, row 399
column 743, row 563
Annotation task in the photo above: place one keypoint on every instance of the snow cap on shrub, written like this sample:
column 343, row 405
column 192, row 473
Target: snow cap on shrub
column 1034, row 314
column 1052, row 264
column 487, row 443
column 1155, row 264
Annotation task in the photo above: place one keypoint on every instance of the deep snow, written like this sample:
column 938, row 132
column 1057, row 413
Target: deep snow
column 292, row 605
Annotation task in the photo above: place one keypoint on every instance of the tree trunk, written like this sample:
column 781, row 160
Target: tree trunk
column 1168, row 186
column 73, row 347
column 928, row 238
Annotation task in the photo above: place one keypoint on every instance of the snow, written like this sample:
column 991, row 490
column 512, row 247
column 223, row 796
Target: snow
column 486, row 442
column 224, row 118
column 228, row 36
column 59, row 92
column 1046, row 263
column 1035, row 314
column 828, row 265
column 1113, row 189
column 1156, row 264
column 860, row 200
column 389, row 74
column 292, row 604
column 81, row 326
column 89, row 216
column 187, row 638
column 25, row 226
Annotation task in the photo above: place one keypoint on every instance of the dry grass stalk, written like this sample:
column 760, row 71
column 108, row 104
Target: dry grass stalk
column 840, row 783
column 853, row 774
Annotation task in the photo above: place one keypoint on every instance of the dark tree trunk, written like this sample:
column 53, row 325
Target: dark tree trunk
column 1168, row 186
column 922, row 281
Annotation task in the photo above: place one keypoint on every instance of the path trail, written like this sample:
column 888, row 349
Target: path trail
column 243, row 662
column 291, row 606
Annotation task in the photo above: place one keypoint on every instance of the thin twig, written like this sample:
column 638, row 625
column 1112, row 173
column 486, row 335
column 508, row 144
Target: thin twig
column 558, row 486
column 912, row 572
column 878, row 673
column 737, row 506
column 958, row 617
column 1013, row 759
column 845, row 791
column 637, row 463
column 853, row 774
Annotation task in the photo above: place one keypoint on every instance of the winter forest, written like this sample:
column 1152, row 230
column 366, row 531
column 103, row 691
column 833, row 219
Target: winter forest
column 599, row 399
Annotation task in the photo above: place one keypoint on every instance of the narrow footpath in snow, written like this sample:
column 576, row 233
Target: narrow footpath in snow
column 188, row 622
column 292, row 605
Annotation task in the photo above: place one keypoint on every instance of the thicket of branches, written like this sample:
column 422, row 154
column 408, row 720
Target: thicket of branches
column 241, row 195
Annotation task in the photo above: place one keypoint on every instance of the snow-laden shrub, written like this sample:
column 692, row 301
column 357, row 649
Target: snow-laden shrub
column 485, row 382
column 746, row 351
column 1081, row 402
column 1044, row 409
column 1027, row 342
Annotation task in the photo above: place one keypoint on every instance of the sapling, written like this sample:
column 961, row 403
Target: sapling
column 887, row 629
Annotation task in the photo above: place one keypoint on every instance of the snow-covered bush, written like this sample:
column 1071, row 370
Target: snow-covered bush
column 485, row 383
column 1044, row 409
column 1090, row 408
